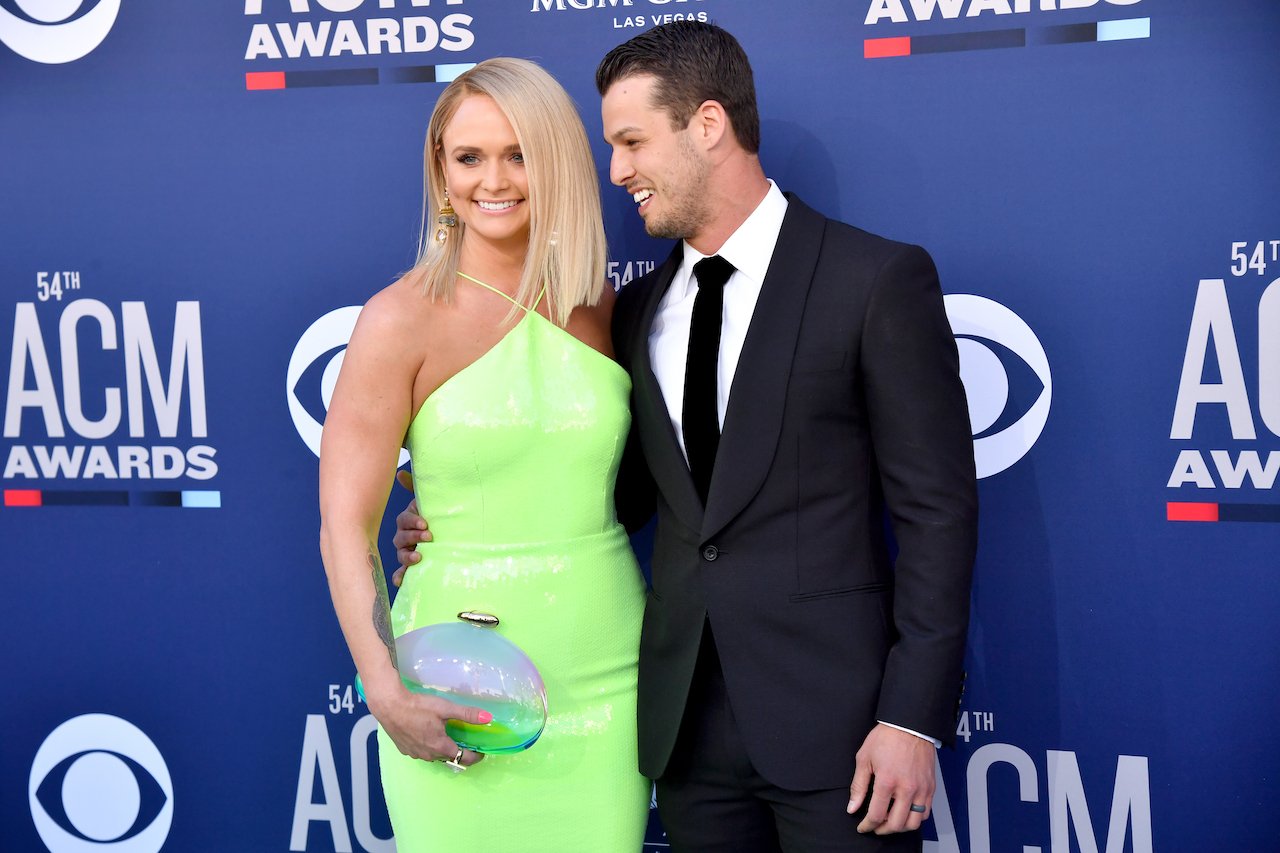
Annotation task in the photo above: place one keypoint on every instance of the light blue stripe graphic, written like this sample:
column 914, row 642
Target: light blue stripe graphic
column 448, row 73
column 1133, row 28
column 201, row 500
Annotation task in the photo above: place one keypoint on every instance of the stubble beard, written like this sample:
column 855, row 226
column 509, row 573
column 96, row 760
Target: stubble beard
column 686, row 197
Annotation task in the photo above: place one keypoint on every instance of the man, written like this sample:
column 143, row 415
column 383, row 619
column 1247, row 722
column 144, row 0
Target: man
column 792, row 673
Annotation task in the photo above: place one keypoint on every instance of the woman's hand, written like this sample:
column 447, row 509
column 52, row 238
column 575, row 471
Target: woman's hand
column 415, row 723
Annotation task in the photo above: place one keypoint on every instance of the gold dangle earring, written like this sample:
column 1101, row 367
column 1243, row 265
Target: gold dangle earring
column 446, row 219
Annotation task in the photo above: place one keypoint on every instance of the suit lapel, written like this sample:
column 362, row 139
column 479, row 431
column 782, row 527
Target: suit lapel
column 657, row 436
column 753, row 420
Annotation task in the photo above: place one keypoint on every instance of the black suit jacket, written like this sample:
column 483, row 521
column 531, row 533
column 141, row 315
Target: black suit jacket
column 846, row 402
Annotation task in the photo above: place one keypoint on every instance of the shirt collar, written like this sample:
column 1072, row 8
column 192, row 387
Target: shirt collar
column 749, row 248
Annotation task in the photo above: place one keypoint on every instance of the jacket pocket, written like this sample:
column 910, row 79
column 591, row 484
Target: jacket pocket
column 860, row 589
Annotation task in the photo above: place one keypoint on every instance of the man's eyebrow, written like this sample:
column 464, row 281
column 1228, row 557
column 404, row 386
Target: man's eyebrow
column 621, row 132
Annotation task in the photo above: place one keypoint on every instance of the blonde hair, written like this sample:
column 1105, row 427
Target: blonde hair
column 566, row 230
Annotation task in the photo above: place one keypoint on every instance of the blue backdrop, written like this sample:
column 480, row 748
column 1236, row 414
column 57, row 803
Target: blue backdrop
column 193, row 195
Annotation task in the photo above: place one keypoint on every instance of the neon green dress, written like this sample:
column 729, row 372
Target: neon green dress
column 514, row 460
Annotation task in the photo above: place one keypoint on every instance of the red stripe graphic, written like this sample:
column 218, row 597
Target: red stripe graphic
column 22, row 497
column 258, row 80
column 1192, row 512
column 880, row 48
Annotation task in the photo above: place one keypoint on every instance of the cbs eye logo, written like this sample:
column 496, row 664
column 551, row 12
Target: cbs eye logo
column 51, row 33
column 1006, row 378
column 313, row 373
column 98, row 783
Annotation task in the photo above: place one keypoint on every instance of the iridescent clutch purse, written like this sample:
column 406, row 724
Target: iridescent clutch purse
column 469, row 663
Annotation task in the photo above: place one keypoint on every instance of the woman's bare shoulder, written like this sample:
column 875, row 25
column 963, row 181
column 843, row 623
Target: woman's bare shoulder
column 602, row 311
column 400, row 306
column 590, row 323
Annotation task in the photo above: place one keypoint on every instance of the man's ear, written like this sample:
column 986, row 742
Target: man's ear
column 709, row 124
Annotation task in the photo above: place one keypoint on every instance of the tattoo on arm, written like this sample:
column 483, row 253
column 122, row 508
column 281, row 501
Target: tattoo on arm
column 381, row 604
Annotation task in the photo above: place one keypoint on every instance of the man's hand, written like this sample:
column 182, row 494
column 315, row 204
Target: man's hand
column 411, row 529
column 902, row 765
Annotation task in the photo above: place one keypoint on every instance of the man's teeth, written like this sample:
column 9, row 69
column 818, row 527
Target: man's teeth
column 642, row 196
column 496, row 205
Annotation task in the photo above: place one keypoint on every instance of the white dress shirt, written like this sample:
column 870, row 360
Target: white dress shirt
column 749, row 249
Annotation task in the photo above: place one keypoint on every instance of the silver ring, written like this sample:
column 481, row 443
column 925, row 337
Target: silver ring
column 917, row 808
column 456, row 764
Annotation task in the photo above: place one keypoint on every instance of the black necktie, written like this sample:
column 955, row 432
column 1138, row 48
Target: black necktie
column 701, row 422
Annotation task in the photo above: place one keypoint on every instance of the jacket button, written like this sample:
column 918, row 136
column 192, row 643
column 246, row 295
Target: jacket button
column 710, row 553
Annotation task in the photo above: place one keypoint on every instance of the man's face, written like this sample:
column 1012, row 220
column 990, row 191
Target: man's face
column 662, row 168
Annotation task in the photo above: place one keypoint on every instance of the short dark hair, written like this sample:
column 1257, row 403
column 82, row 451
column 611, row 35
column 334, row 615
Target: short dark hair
column 693, row 62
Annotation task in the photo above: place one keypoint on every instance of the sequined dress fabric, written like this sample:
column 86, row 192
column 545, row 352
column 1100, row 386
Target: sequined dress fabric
column 514, row 459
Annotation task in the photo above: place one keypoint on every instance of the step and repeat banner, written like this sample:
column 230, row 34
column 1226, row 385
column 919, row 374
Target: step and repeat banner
column 195, row 198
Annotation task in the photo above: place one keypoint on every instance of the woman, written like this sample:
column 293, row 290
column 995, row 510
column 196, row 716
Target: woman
column 491, row 361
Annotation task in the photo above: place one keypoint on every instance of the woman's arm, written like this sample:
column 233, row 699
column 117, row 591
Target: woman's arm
column 367, row 418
